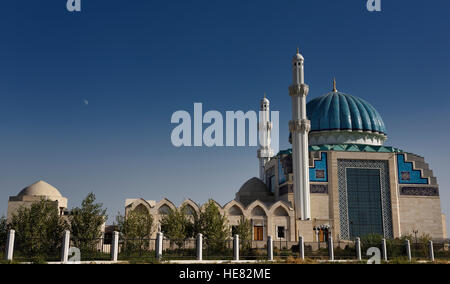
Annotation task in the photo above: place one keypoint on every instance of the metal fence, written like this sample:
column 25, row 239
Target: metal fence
column 253, row 250
column 179, row 249
column 93, row 249
column 147, row 249
column 37, row 250
column 137, row 249
column 441, row 250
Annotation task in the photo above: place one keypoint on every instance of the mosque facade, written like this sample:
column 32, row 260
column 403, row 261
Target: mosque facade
column 338, row 179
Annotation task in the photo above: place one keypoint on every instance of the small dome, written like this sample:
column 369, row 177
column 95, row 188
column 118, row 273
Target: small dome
column 253, row 185
column 40, row 188
column 339, row 111
column 298, row 56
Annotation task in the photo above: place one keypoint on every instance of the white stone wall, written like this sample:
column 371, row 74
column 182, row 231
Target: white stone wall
column 423, row 214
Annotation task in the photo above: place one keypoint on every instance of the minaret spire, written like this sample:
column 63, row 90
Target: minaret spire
column 334, row 85
column 265, row 151
column 299, row 127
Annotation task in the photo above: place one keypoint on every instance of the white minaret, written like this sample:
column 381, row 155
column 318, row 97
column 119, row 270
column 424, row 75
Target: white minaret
column 265, row 152
column 300, row 127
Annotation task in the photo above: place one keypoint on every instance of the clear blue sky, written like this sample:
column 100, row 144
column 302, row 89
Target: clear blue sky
column 136, row 62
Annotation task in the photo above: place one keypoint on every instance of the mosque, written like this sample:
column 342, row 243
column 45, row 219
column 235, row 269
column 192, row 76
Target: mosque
column 338, row 179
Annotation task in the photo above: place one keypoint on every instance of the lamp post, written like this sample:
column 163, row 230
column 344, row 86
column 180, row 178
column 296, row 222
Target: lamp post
column 415, row 236
column 316, row 232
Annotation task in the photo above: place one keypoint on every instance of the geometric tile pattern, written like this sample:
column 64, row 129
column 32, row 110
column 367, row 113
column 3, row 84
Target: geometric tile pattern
column 406, row 173
column 386, row 207
column 419, row 191
column 319, row 172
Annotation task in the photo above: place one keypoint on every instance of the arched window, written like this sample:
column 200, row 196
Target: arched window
column 235, row 211
column 164, row 210
column 141, row 209
column 258, row 211
column 280, row 211
column 189, row 210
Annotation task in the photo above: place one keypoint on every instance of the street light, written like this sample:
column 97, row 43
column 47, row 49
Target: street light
column 415, row 236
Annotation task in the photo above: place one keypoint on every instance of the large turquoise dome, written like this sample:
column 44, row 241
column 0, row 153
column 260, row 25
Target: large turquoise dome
column 339, row 111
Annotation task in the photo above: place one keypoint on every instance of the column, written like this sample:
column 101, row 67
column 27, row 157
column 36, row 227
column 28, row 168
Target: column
column 65, row 247
column 115, row 246
column 270, row 248
column 200, row 247
column 301, row 247
column 236, row 247
column 159, row 246
column 358, row 249
column 10, row 245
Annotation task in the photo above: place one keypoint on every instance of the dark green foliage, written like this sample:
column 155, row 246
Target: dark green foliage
column 3, row 234
column 86, row 224
column 244, row 230
column 39, row 231
column 177, row 227
column 135, row 230
column 213, row 226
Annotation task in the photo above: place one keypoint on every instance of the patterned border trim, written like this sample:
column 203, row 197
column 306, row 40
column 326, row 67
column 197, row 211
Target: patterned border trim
column 419, row 191
column 319, row 188
column 385, row 194
column 314, row 188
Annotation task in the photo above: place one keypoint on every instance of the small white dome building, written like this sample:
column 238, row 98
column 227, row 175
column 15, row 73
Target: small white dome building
column 34, row 193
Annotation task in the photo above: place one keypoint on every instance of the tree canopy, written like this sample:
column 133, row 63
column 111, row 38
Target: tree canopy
column 135, row 229
column 177, row 226
column 39, row 229
column 213, row 225
column 86, row 223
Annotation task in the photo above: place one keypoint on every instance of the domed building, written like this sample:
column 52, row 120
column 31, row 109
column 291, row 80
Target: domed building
column 35, row 193
column 339, row 179
column 355, row 184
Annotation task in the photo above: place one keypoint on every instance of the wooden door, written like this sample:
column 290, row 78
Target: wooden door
column 258, row 232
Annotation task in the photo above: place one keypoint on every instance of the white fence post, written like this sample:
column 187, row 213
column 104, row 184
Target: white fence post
column 200, row 247
column 10, row 245
column 430, row 244
column 384, row 248
column 331, row 248
column 358, row 249
column 408, row 250
column 159, row 245
column 115, row 246
column 65, row 247
column 236, row 247
column 270, row 248
column 301, row 247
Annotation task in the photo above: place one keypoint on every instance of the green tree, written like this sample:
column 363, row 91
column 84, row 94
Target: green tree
column 213, row 226
column 244, row 230
column 176, row 226
column 135, row 230
column 39, row 230
column 86, row 224
column 3, row 233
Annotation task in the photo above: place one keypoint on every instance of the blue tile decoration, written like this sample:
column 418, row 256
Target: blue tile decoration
column 337, row 110
column 319, row 172
column 406, row 173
